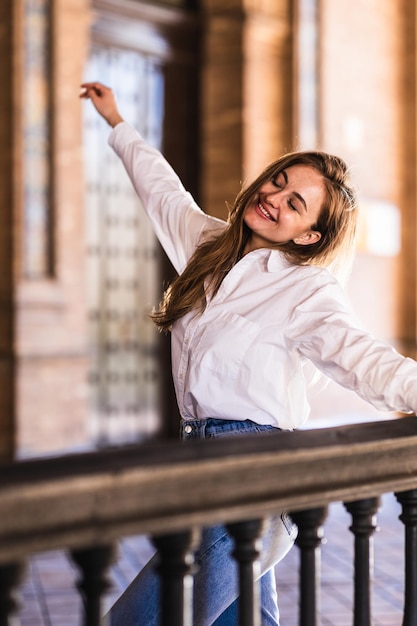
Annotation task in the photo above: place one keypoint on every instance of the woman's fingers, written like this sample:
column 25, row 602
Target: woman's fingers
column 97, row 89
column 103, row 99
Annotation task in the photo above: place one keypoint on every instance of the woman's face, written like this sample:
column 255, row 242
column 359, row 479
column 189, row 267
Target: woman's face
column 286, row 208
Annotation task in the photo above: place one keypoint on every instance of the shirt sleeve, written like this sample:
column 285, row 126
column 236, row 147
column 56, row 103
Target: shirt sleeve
column 177, row 220
column 324, row 330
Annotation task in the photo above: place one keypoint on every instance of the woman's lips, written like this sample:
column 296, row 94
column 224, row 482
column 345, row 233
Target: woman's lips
column 263, row 212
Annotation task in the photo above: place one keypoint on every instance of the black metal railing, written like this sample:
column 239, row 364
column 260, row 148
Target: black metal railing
column 85, row 503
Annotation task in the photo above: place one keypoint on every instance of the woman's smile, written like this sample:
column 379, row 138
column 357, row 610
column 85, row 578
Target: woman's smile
column 263, row 212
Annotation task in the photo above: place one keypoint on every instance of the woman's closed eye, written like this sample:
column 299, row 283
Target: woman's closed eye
column 279, row 181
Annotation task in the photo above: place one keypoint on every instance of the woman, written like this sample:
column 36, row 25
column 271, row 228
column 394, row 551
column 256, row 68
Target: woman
column 254, row 303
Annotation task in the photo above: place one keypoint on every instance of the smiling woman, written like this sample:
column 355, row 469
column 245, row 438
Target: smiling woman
column 253, row 302
column 322, row 234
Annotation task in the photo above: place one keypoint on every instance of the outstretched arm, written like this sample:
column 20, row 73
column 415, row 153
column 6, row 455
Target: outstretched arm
column 177, row 220
column 104, row 101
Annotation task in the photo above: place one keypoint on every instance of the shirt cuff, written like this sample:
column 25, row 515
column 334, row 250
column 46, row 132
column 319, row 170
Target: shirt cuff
column 121, row 134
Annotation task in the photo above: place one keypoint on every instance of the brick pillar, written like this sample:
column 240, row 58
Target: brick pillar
column 247, row 93
column 43, row 320
column 7, row 189
column 268, row 84
column 408, row 100
column 222, row 104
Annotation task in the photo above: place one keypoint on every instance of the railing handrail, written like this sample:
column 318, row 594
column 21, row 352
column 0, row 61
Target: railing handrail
column 95, row 498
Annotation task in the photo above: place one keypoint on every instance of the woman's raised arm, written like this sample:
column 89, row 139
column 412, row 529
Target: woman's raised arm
column 177, row 220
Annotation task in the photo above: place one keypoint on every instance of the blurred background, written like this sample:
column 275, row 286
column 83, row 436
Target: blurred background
column 222, row 87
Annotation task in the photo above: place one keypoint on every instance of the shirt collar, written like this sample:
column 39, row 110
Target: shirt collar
column 277, row 261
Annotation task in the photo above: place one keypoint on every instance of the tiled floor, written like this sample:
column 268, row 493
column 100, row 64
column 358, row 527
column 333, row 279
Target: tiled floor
column 48, row 596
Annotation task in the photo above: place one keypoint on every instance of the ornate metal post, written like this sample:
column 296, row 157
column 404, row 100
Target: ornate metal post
column 246, row 536
column 176, row 567
column 93, row 563
column 363, row 526
column 408, row 501
column 11, row 575
column 310, row 535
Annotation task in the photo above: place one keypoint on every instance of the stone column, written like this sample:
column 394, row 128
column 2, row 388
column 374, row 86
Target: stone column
column 247, row 94
column 408, row 102
column 268, row 83
column 8, row 116
column 43, row 329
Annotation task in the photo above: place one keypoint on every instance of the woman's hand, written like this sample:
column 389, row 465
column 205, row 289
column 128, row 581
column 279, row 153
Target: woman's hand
column 104, row 101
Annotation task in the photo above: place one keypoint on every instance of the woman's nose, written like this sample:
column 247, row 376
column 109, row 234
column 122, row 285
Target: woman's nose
column 274, row 198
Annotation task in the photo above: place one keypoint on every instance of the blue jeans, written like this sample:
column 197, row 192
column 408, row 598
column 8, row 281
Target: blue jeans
column 216, row 580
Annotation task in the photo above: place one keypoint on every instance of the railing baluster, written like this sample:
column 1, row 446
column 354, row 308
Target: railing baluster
column 11, row 575
column 246, row 536
column 408, row 501
column 310, row 535
column 363, row 514
column 176, row 568
column 93, row 563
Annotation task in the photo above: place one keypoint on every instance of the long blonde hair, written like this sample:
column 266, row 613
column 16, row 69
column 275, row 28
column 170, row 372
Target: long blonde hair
column 216, row 256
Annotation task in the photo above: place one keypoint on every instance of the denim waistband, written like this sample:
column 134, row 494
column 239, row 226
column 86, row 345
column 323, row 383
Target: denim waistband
column 211, row 427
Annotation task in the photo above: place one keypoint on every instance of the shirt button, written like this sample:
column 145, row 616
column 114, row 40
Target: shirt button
column 188, row 429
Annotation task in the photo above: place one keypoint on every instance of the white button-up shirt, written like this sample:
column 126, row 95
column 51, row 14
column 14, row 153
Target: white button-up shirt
column 245, row 356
